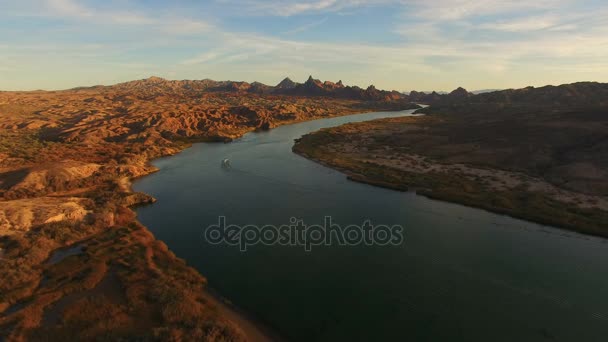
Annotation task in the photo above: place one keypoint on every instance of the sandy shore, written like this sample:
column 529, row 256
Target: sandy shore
column 255, row 330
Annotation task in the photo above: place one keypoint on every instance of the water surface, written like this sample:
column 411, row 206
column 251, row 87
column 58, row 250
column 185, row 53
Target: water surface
column 462, row 274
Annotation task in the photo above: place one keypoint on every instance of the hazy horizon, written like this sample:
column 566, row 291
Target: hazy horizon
column 405, row 91
column 396, row 45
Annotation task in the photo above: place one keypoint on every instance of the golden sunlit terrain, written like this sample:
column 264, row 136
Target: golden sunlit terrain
column 75, row 262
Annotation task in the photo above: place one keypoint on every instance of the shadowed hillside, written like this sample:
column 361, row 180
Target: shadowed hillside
column 535, row 153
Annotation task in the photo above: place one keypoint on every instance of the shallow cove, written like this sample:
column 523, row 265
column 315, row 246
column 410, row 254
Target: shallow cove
column 462, row 274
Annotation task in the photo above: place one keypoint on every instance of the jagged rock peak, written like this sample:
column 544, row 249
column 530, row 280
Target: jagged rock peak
column 155, row 79
column 287, row 83
column 460, row 91
column 313, row 83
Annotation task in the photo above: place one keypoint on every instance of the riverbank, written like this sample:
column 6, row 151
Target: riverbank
column 447, row 260
column 255, row 330
column 403, row 154
column 66, row 181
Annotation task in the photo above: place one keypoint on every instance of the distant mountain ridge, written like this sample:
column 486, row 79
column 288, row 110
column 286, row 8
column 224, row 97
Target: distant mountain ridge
column 581, row 94
column 156, row 86
column 482, row 91
column 434, row 97
column 575, row 94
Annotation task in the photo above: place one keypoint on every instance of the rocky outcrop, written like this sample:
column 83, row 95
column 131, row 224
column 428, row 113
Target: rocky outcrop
column 312, row 87
column 259, row 88
column 23, row 214
column 459, row 93
column 421, row 97
column 315, row 87
column 51, row 177
column 156, row 86
column 286, row 83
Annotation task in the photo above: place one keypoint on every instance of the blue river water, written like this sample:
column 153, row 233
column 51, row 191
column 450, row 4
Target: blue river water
column 461, row 274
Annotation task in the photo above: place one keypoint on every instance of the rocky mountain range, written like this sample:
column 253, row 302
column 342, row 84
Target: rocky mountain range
column 582, row 94
column 155, row 86
column 575, row 94
column 435, row 97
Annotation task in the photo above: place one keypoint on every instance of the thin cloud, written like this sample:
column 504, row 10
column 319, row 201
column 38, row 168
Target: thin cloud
column 186, row 26
column 72, row 9
column 69, row 8
column 527, row 24
column 442, row 10
column 306, row 27
column 287, row 8
column 201, row 58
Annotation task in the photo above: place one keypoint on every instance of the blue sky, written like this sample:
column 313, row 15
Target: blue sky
column 402, row 45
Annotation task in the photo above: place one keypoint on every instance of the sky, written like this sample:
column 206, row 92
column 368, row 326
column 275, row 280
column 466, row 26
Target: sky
column 393, row 44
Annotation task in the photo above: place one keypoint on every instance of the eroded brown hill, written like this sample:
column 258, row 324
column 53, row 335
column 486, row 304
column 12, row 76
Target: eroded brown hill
column 66, row 161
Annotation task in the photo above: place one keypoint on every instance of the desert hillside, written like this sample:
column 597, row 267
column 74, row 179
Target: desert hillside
column 75, row 262
column 535, row 153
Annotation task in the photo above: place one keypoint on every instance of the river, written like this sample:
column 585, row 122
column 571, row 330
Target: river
column 461, row 274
